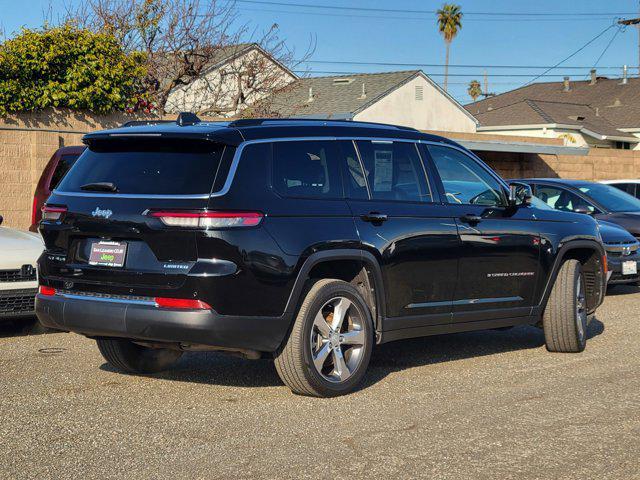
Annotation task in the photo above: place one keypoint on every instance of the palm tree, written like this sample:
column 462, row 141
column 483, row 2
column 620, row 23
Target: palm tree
column 474, row 90
column 449, row 24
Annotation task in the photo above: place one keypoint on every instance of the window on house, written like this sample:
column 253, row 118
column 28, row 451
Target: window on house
column 623, row 145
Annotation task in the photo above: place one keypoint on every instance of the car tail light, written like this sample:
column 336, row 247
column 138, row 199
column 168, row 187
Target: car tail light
column 48, row 291
column 35, row 211
column 181, row 303
column 53, row 213
column 208, row 219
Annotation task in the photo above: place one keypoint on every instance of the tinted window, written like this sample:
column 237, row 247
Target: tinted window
column 307, row 169
column 630, row 188
column 561, row 199
column 465, row 180
column 394, row 171
column 65, row 163
column 355, row 183
column 157, row 167
column 611, row 198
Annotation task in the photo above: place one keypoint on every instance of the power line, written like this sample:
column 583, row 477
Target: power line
column 570, row 56
column 395, row 10
column 475, row 74
column 421, row 17
column 618, row 30
column 458, row 65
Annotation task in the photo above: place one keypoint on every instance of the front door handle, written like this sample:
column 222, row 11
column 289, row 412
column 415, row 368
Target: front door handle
column 471, row 218
column 374, row 217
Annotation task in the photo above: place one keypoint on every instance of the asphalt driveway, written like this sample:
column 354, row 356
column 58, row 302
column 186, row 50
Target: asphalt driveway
column 477, row 405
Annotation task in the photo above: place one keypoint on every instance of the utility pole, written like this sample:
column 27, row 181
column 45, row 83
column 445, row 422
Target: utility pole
column 636, row 22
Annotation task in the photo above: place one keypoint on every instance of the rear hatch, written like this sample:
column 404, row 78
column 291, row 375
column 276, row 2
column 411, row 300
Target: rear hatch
column 101, row 229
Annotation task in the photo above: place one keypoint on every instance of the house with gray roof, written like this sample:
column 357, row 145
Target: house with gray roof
column 409, row 98
column 597, row 113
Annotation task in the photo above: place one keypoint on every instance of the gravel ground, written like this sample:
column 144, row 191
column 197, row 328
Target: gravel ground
column 490, row 404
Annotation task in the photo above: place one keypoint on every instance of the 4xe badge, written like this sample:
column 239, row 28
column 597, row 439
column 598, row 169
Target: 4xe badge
column 98, row 212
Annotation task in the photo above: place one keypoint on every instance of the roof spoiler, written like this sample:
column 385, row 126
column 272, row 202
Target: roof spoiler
column 184, row 119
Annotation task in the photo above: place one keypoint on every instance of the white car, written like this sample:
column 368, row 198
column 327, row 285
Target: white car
column 19, row 252
column 631, row 186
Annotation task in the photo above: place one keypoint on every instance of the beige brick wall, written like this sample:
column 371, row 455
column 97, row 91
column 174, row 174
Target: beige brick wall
column 27, row 142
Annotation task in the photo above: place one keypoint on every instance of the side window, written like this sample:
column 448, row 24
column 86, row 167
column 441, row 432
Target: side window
column 307, row 169
column 465, row 181
column 625, row 187
column 561, row 199
column 65, row 163
column 394, row 171
column 355, row 184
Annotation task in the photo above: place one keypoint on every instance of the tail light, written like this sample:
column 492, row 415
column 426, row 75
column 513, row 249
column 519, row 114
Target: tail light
column 35, row 211
column 48, row 291
column 208, row 219
column 181, row 303
column 53, row 213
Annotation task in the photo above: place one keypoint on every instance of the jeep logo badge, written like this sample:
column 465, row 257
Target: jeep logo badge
column 101, row 213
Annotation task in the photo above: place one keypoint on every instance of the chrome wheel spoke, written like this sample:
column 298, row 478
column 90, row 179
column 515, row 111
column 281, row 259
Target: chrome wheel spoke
column 321, row 356
column 340, row 366
column 354, row 337
column 340, row 309
column 321, row 324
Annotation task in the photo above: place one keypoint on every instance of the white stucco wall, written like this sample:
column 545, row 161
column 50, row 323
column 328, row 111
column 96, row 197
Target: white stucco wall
column 580, row 140
column 434, row 112
column 219, row 89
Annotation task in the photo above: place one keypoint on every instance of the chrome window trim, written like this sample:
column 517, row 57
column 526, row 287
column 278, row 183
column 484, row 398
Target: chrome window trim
column 240, row 149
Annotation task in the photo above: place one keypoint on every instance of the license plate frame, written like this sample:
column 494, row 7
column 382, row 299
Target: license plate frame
column 105, row 253
column 630, row 267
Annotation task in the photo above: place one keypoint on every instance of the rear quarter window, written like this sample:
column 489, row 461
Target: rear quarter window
column 154, row 167
column 308, row 169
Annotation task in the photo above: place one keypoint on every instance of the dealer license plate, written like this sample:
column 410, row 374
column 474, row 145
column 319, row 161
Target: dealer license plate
column 108, row 254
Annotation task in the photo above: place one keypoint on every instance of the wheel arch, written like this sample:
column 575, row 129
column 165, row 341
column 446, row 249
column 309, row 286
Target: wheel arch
column 591, row 254
column 355, row 266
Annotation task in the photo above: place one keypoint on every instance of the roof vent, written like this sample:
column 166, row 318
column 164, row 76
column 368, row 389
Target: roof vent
column 310, row 99
column 363, row 95
column 617, row 103
column 419, row 92
column 187, row 118
column 577, row 118
column 566, row 86
column 594, row 78
column 342, row 81
column 624, row 76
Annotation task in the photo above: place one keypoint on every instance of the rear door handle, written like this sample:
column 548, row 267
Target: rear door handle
column 374, row 217
column 471, row 218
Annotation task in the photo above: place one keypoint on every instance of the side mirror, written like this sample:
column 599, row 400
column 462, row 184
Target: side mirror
column 519, row 194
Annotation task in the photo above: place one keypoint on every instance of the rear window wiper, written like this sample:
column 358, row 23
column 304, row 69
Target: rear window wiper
column 100, row 187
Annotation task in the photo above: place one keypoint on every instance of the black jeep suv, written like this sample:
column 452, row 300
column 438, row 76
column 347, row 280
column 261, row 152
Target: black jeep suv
column 311, row 241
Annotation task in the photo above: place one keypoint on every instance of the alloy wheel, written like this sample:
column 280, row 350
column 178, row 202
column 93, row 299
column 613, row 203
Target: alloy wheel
column 337, row 339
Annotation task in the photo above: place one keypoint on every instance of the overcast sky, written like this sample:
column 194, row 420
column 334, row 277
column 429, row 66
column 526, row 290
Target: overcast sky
column 511, row 36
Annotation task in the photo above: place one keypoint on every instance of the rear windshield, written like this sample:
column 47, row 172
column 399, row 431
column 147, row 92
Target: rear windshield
column 144, row 166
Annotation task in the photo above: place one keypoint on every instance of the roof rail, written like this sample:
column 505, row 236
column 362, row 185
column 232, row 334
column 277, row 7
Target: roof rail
column 252, row 122
column 142, row 123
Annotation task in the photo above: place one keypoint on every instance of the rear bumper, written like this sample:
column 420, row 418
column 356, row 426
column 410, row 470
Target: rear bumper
column 139, row 320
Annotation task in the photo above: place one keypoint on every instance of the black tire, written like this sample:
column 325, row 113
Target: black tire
column 565, row 317
column 129, row 357
column 294, row 361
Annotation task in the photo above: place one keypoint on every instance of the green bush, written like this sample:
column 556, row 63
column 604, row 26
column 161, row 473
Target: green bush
column 68, row 67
